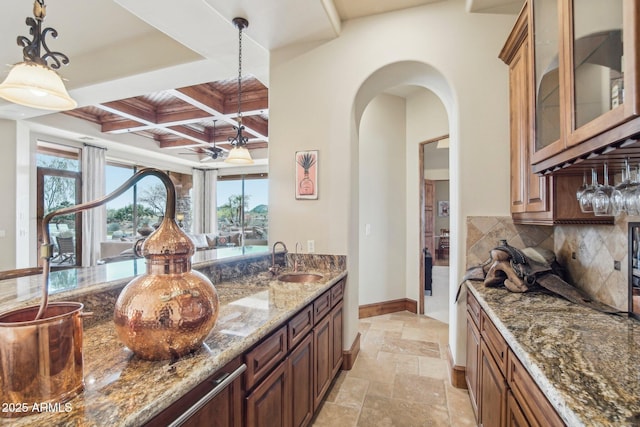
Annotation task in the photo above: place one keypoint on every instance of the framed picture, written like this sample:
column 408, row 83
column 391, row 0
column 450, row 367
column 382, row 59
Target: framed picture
column 307, row 174
column 443, row 208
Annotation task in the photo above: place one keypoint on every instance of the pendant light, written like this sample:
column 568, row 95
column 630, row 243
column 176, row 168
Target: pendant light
column 33, row 82
column 239, row 153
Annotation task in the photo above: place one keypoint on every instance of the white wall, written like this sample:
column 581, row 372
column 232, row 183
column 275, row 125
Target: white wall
column 382, row 198
column 316, row 99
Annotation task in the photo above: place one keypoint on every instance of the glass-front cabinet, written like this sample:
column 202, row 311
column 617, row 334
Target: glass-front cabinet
column 585, row 59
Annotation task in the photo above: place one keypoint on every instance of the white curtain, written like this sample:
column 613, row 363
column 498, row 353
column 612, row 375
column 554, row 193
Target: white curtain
column 205, row 215
column 94, row 221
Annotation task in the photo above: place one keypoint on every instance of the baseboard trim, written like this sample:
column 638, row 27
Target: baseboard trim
column 386, row 307
column 349, row 356
column 458, row 379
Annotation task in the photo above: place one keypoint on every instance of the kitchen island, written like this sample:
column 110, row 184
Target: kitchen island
column 585, row 362
column 121, row 389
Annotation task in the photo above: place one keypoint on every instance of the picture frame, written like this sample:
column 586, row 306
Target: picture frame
column 306, row 175
column 443, row 208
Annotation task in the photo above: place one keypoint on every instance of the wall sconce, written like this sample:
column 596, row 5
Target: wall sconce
column 33, row 82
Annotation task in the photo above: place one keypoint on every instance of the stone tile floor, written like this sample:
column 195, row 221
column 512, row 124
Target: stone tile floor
column 400, row 378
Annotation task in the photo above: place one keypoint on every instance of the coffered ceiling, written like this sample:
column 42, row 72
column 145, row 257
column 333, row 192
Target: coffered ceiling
column 154, row 76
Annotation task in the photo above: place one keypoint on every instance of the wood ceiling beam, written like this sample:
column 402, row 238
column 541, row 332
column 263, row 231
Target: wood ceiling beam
column 256, row 126
column 211, row 101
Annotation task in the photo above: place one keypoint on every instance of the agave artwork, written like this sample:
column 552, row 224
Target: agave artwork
column 306, row 160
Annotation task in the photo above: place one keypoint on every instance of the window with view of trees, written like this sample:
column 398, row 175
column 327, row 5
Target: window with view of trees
column 136, row 211
column 242, row 207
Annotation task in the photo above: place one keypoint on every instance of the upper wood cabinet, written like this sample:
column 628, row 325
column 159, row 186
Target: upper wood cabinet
column 535, row 199
column 585, row 78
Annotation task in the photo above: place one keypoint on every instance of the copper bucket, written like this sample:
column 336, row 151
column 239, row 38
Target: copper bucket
column 40, row 360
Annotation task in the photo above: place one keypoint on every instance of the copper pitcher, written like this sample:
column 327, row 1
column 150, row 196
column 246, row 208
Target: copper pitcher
column 40, row 360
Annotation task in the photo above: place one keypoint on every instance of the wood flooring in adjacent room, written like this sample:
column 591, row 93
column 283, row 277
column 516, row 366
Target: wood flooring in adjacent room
column 400, row 378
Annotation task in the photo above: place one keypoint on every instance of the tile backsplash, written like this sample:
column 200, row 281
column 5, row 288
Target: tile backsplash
column 586, row 252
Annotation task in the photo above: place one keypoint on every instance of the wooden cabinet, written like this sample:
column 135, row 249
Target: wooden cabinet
column 585, row 75
column 269, row 404
column 472, row 371
column 535, row 199
column 502, row 392
column 301, row 367
column 289, row 372
column 535, row 407
column 492, row 390
column 215, row 402
column 575, row 89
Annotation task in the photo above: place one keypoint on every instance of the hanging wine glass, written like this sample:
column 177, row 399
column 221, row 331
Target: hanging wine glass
column 583, row 187
column 587, row 196
column 601, row 201
column 631, row 194
column 617, row 196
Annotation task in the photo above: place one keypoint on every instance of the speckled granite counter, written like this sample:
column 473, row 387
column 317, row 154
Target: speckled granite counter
column 587, row 363
column 122, row 390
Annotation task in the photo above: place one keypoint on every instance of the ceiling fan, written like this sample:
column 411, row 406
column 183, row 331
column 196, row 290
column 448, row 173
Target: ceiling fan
column 210, row 152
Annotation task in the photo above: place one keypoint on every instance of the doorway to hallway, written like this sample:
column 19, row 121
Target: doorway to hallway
column 434, row 227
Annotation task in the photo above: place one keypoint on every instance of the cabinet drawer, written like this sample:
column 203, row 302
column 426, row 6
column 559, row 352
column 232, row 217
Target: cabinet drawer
column 321, row 306
column 265, row 356
column 473, row 307
column 533, row 403
column 300, row 325
column 337, row 292
column 495, row 342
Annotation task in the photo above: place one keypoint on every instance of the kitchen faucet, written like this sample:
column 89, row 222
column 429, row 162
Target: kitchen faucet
column 275, row 268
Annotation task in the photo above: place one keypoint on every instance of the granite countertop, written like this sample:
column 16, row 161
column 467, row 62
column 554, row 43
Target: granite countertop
column 123, row 390
column 587, row 363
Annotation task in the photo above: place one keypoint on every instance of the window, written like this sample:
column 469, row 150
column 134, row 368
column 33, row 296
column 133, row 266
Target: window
column 242, row 207
column 135, row 212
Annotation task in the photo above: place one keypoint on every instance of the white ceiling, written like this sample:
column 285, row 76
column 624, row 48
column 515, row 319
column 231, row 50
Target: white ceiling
column 124, row 48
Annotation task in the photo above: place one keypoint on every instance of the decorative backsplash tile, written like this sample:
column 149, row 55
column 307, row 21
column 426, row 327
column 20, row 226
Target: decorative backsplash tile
column 588, row 254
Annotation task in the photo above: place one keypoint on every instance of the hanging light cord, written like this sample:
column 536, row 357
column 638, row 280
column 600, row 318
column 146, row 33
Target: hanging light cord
column 239, row 140
column 240, row 26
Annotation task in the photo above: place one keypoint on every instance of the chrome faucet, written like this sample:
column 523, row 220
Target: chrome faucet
column 275, row 268
column 295, row 260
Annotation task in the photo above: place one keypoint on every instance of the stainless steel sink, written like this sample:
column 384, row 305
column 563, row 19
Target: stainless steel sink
column 300, row 277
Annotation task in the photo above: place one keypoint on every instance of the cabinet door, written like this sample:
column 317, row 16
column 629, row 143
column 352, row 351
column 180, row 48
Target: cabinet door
column 515, row 417
column 322, row 359
column 336, row 339
column 301, row 362
column 548, row 82
column 206, row 404
column 600, row 57
column 493, row 390
column 473, row 359
column 224, row 410
column 269, row 405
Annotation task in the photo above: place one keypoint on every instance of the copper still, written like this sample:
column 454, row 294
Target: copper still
column 165, row 313
column 168, row 311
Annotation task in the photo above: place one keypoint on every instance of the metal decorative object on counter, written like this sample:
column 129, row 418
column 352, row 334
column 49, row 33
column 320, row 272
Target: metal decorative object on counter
column 168, row 311
column 165, row 313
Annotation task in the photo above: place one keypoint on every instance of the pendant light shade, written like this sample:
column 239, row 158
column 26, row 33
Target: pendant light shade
column 239, row 153
column 34, row 82
column 240, row 156
column 36, row 86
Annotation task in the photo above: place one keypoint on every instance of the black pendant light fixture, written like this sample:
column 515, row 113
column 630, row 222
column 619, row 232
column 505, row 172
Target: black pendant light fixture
column 34, row 82
column 239, row 153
